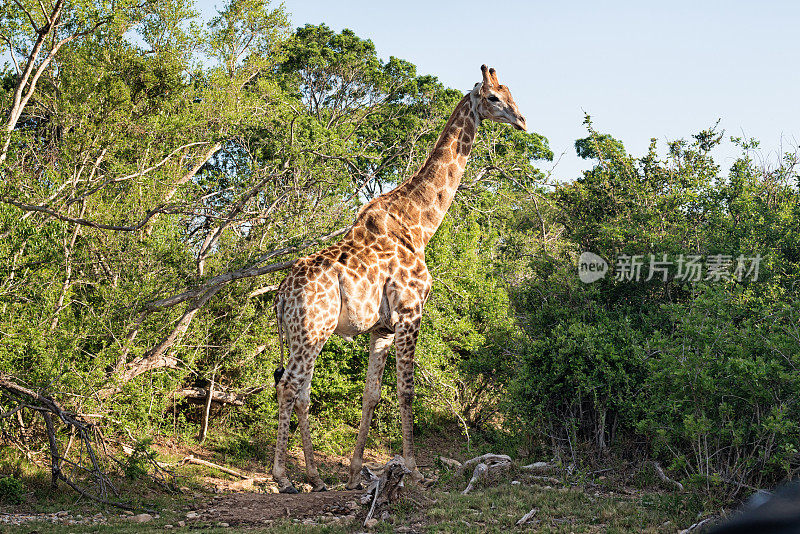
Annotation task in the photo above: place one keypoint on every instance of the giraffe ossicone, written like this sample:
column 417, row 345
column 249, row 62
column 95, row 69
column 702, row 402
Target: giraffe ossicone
column 375, row 280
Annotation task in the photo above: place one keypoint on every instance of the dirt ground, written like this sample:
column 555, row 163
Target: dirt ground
column 260, row 508
column 252, row 502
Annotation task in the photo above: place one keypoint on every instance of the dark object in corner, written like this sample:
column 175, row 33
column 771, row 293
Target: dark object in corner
column 776, row 513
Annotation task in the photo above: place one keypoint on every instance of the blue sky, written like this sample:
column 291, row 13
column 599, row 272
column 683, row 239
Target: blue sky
column 642, row 69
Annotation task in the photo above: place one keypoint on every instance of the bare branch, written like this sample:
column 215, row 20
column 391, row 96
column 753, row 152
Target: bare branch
column 30, row 16
column 21, row 95
column 143, row 172
column 44, row 401
column 262, row 291
column 217, row 282
column 209, row 242
column 194, row 170
column 247, row 272
column 11, row 53
column 11, row 412
column 85, row 222
column 156, row 358
column 44, row 11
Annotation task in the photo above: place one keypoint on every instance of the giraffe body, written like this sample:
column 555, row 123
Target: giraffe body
column 375, row 280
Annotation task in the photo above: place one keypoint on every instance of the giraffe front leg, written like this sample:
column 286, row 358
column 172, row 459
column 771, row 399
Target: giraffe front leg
column 301, row 406
column 287, row 394
column 406, row 345
column 379, row 343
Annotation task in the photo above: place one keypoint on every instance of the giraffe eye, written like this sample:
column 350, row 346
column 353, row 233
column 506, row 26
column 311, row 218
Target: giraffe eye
column 494, row 98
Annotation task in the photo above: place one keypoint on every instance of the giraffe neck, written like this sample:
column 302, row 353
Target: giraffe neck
column 422, row 201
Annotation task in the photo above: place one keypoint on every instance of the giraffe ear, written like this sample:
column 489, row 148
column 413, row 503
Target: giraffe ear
column 493, row 78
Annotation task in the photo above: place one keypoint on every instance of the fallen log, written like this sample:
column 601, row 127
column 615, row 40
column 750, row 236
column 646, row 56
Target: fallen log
column 483, row 465
column 488, row 459
column 480, row 470
column 539, row 467
column 449, row 462
column 191, row 459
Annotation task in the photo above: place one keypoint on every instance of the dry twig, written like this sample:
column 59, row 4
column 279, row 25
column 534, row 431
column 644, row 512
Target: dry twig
column 527, row 517
column 664, row 478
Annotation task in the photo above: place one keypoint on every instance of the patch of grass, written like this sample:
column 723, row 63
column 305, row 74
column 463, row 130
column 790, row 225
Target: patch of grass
column 241, row 449
column 497, row 509
column 338, row 440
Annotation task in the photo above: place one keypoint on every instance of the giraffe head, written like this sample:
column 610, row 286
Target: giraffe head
column 494, row 101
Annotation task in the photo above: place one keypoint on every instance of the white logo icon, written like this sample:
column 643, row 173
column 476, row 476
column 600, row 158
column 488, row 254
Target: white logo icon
column 591, row 267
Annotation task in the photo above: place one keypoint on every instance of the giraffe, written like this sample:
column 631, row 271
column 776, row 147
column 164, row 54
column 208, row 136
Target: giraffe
column 375, row 280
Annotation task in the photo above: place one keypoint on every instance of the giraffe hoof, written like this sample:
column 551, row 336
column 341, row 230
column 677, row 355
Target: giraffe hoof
column 288, row 489
column 320, row 487
column 357, row 486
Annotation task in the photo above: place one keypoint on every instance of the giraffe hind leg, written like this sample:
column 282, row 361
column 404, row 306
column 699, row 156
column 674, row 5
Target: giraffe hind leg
column 286, row 390
column 293, row 391
column 301, row 407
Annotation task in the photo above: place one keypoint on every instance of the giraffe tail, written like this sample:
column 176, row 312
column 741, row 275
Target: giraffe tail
column 279, row 318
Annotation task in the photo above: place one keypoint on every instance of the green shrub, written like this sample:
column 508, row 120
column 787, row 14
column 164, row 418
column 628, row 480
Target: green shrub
column 701, row 374
column 11, row 490
column 138, row 463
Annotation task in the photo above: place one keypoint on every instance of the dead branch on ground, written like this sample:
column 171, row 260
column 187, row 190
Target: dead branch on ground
column 527, row 517
column 483, row 465
column 664, row 478
column 488, row 459
column 191, row 459
column 449, row 462
column 45, row 405
column 386, row 489
column 480, row 471
column 539, row 467
column 697, row 526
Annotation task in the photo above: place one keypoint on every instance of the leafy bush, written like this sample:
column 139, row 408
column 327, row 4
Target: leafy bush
column 140, row 460
column 11, row 490
column 700, row 373
column 721, row 394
